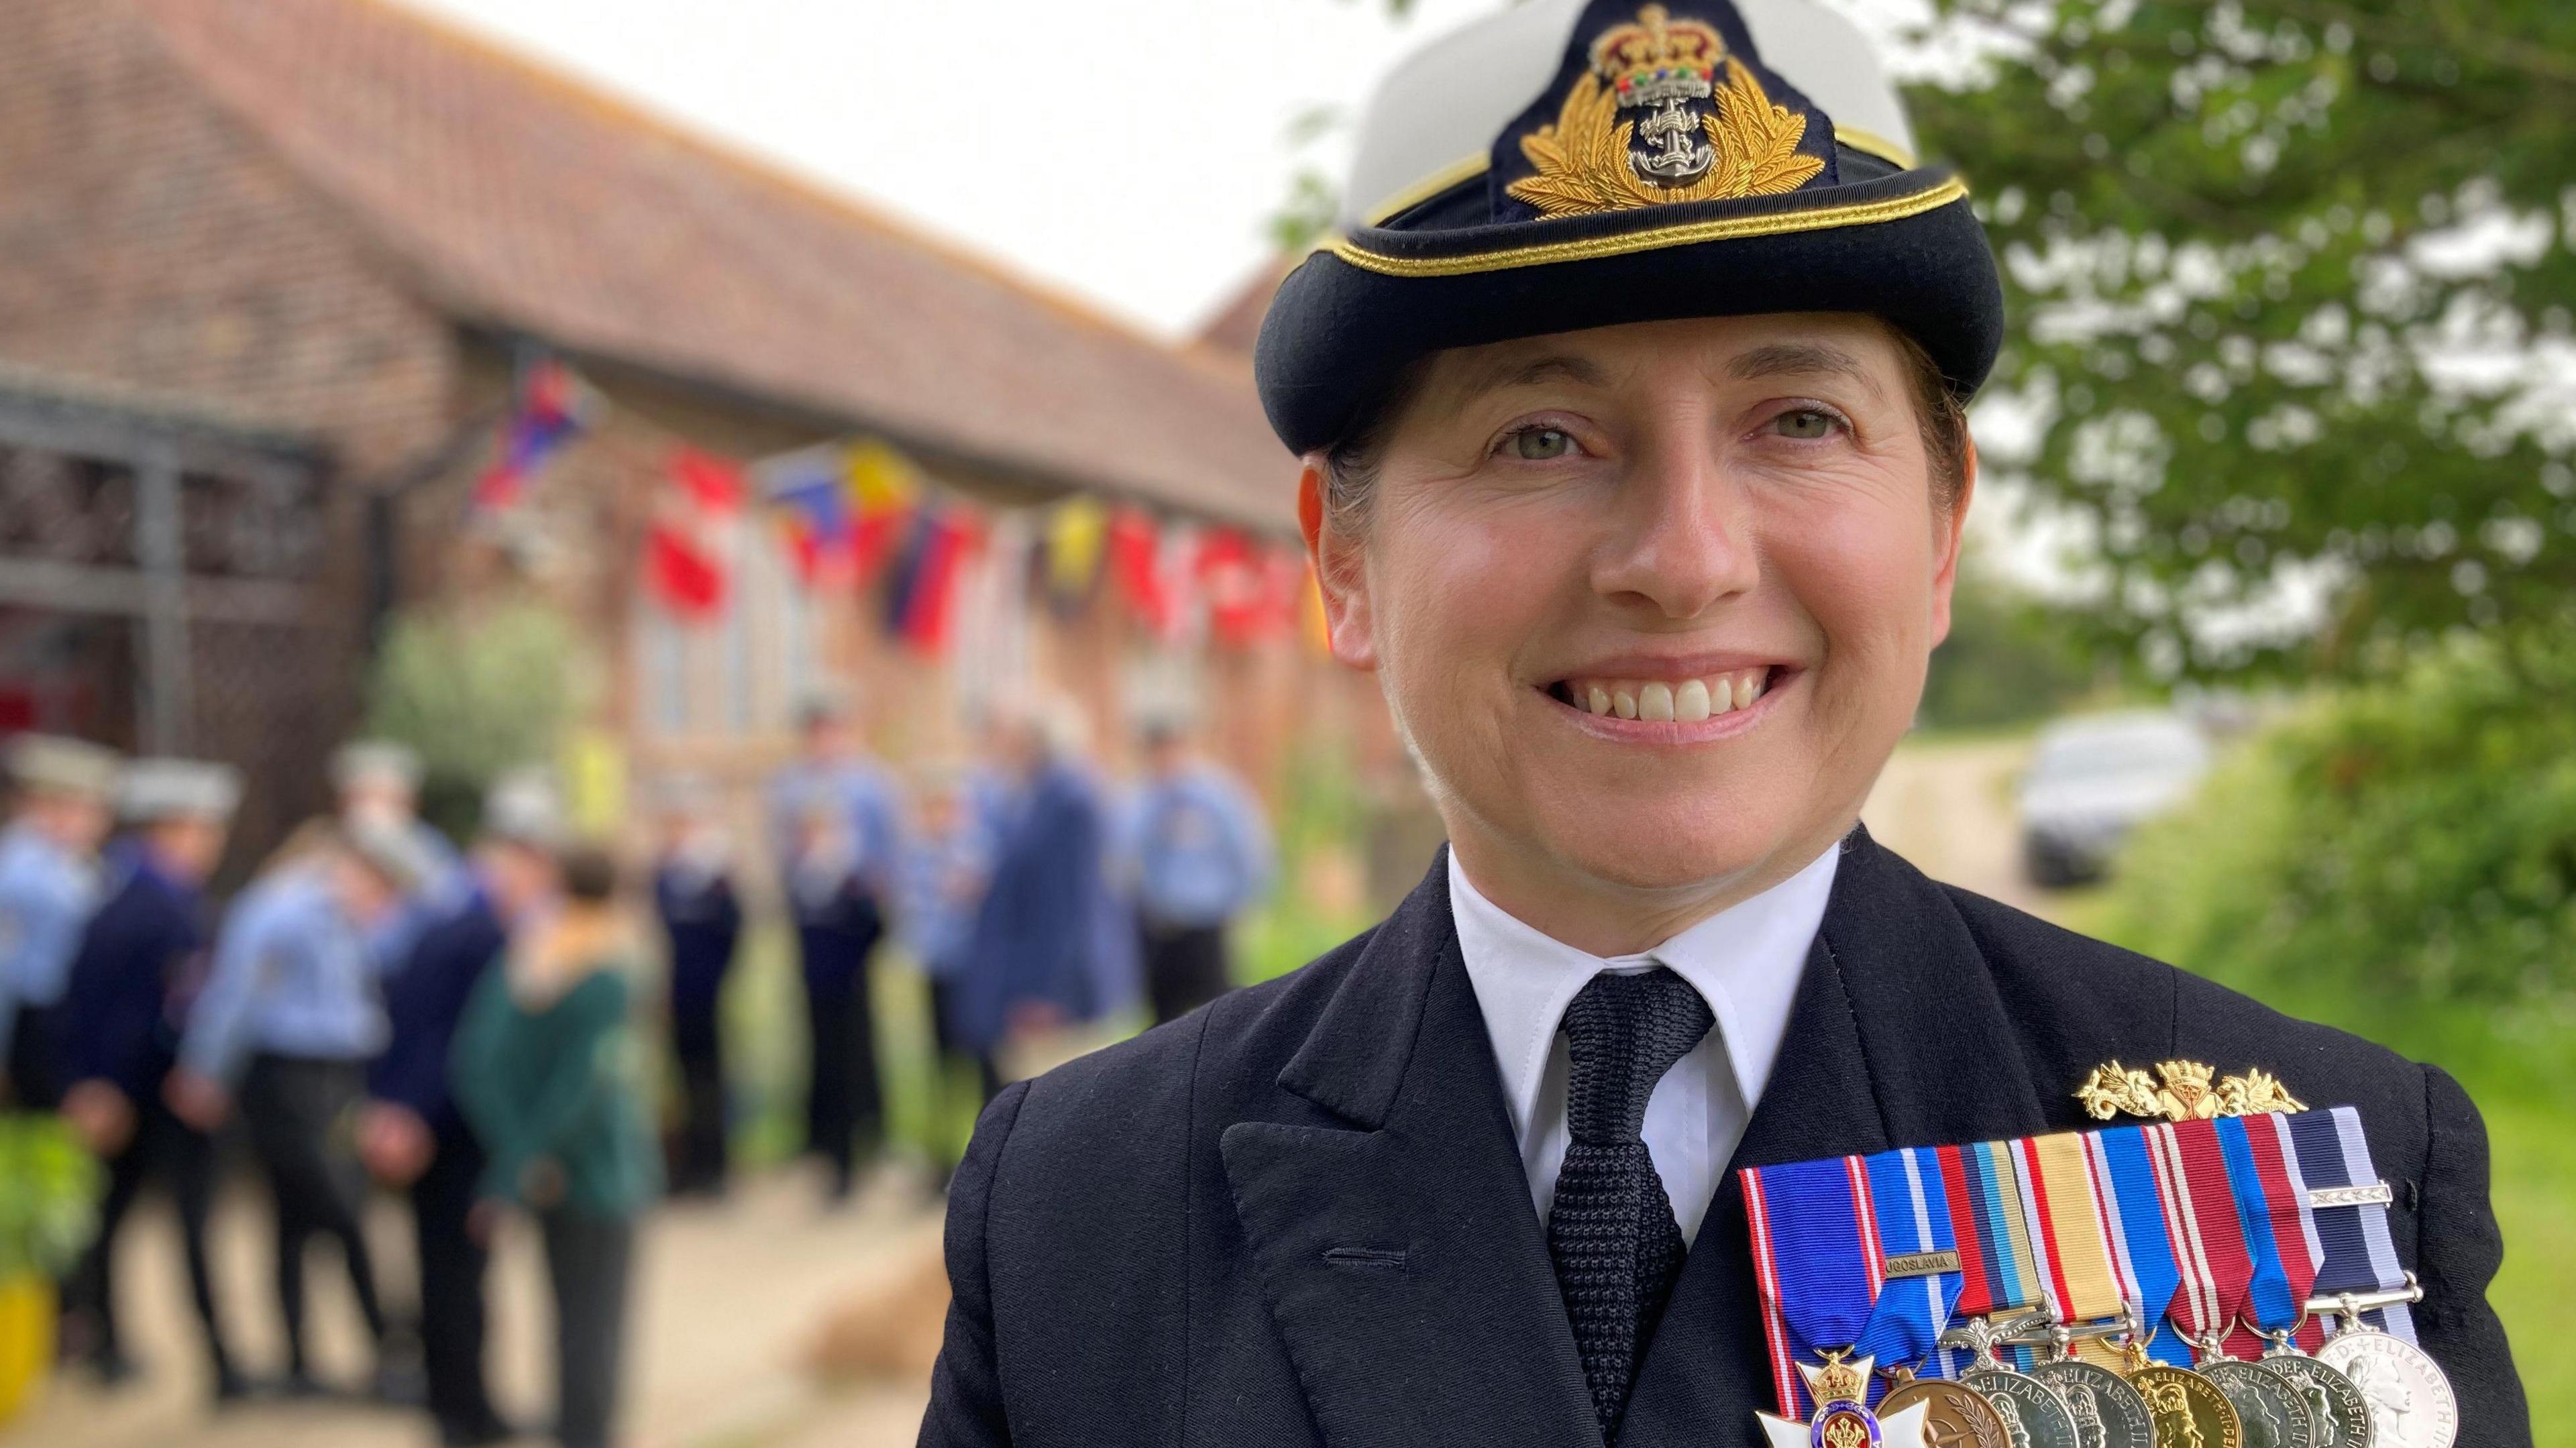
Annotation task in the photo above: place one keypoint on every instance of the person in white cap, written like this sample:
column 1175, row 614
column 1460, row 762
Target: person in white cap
column 1629, row 401
column 141, row 960
column 61, row 793
column 413, row 1135
column 379, row 780
column 700, row 910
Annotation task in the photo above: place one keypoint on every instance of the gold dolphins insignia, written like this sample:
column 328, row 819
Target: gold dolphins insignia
column 2188, row 1092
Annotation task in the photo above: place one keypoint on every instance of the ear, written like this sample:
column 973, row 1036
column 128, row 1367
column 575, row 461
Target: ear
column 1951, row 537
column 1340, row 571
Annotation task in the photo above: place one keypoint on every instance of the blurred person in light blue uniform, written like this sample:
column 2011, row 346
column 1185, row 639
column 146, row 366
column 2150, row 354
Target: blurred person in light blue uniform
column 1201, row 853
column 836, row 840
column 958, row 818
column 290, row 1016
column 141, row 961
column 49, row 885
column 1052, row 946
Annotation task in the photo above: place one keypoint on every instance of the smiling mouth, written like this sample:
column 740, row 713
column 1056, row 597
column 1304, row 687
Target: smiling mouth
column 1682, row 701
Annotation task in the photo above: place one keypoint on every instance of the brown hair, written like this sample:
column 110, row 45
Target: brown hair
column 1351, row 465
column 589, row 873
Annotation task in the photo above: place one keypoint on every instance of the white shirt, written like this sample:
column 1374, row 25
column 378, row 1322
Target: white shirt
column 1744, row 961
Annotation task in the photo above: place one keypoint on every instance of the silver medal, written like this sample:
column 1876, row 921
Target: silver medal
column 2108, row 1412
column 2034, row 1414
column 2341, row 1414
column 2271, row 1412
column 2411, row 1405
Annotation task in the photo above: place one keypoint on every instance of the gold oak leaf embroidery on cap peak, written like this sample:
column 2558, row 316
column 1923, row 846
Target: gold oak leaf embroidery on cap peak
column 2189, row 1091
column 1583, row 164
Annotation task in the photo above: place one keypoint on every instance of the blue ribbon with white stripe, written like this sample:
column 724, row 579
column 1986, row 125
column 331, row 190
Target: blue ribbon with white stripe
column 2125, row 1175
column 2358, row 1254
column 1912, row 1215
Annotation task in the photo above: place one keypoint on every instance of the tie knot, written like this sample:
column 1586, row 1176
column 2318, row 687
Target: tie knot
column 1622, row 1033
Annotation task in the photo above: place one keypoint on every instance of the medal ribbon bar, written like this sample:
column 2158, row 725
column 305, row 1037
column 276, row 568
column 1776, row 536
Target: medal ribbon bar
column 2270, row 1202
column 2358, row 1256
column 1912, row 1212
column 2208, row 1237
column 1817, row 1259
column 2124, row 1177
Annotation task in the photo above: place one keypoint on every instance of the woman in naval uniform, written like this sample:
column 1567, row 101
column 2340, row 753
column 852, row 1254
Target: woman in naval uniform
column 1629, row 403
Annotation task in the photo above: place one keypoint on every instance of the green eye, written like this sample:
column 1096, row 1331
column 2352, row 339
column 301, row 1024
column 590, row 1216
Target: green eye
column 1805, row 423
column 1539, row 444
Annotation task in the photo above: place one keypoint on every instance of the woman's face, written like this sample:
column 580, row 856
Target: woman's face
column 1652, row 602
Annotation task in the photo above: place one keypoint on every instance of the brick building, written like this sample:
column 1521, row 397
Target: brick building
column 319, row 237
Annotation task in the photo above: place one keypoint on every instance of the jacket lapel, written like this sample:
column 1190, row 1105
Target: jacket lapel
column 1896, row 1037
column 1398, row 1252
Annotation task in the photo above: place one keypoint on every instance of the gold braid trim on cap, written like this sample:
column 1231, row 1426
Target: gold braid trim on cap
column 1653, row 238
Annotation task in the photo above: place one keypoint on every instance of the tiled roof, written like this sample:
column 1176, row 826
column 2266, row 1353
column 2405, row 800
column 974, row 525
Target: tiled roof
column 526, row 201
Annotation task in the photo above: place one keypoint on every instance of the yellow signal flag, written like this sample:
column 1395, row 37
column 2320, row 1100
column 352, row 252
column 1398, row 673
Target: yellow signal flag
column 1077, row 533
column 880, row 479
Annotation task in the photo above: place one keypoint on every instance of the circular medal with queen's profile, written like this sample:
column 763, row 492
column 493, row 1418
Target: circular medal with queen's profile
column 2272, row 1414
column 2411, row 1404
column 2034, row 1415
column 1954, row 1416
column 2188, row 1410
column 2341, row 1413
column 2108, row 1412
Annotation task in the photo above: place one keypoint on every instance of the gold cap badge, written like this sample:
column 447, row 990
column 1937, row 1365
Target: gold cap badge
column 2188, row 1092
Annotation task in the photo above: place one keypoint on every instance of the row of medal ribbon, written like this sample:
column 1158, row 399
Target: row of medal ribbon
column 2222, row 1283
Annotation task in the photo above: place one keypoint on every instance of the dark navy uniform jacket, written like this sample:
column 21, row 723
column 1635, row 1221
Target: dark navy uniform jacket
column 1298, row 1216
column 425, row 997
column 139, row 956
column 703, row 921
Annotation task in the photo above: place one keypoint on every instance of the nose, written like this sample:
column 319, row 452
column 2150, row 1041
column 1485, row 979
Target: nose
column 1678, row 539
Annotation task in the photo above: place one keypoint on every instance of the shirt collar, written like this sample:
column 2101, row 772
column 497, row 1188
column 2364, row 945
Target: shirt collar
column 1744, row 961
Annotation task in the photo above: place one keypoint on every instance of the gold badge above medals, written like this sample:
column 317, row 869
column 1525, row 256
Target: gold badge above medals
column 1842, row 1418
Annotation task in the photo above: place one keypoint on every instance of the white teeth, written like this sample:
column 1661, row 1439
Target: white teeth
column 1748, row 689
column 1600, row 700
column 1721, row 696
column 1625, row 701
column 1655, row 702
column 1690, row 701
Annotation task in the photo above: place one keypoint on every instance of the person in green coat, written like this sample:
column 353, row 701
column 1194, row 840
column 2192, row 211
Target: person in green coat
column 546, row 1067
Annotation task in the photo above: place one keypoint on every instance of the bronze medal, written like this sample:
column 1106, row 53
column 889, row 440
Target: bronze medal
column 1954, row 1417
column 2272, row 1415
column 2341, row 1414
column 2108, row 1412
column 2189, row 1411
column 2411, row 1405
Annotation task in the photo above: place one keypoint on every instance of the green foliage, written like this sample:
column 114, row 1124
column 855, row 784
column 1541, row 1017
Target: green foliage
column 2009, row 660
column 49, row 1192
column 477, row 691
column 2398, row 858
column 2243, row 250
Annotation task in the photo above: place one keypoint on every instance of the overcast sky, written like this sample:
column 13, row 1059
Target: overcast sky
column 1123, row 150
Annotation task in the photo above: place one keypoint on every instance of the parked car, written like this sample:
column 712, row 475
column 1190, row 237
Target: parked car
column 2093, row 779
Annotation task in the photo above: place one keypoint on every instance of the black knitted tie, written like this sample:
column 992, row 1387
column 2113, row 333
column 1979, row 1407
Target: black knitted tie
column 1611, row 1229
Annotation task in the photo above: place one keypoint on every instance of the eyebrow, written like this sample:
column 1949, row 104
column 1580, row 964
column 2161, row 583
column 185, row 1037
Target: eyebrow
column 1785, row 359
column 1505, row 372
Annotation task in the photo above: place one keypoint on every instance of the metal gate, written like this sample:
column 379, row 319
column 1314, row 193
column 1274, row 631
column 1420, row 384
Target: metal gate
column 166, row 588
